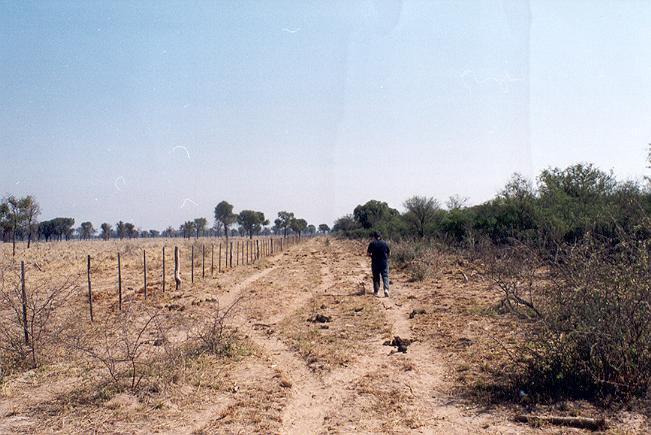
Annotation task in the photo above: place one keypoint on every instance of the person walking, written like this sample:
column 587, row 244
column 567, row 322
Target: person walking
column 379, row 252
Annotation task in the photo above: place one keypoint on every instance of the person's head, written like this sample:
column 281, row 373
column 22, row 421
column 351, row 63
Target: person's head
column 377, row 235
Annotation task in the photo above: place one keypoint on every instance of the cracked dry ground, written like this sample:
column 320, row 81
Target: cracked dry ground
column 300, row 376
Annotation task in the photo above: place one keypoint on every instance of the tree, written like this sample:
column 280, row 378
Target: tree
column 218, row 229
column 421, row 212
column 121, row 230
column 154, row 233
column 130, row 230
column 200, row 225
column 14, row 215
column 311, row 229
column 106, row 231
column 345, row 224
column 169, row 232
column 30, row 210
column 251, row 221
column 298, row 225
column 86, row 230
column 324, row 228
column 224, row 215
column 373, row 212
column 284, row 221
column 187, row 229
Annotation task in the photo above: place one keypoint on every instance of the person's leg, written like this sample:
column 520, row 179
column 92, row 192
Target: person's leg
column 376, row 281
column 385, row 279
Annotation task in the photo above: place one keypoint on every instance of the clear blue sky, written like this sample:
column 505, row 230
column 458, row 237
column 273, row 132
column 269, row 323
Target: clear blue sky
column 312, row 107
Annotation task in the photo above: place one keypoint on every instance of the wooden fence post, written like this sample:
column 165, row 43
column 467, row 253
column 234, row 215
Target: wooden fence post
column 257, row 249
column 177, row 272
column 220, row 258
column 231, row 255
column 119, row 284
column 237, row 254
column 247, row 252
column 203, row 260
column 90, row 292
column 192, row 267
column 212, row 259
column 24, row 300
column 144, row 271
column 163, row 269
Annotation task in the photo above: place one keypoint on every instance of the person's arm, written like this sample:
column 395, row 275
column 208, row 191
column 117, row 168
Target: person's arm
column 388, row 251
column 369, row 253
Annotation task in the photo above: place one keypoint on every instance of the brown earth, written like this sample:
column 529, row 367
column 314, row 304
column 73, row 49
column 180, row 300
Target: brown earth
column 309, row 353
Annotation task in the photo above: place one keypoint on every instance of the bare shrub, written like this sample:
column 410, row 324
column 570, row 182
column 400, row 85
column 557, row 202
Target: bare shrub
column 23, row 343
column 125, row 345
column 516, row 270
column 418, row 271
column 403, row 253
column 588, row 333
column 214, row 335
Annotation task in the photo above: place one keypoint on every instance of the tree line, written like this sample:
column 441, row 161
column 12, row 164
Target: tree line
column 561, row 206
column 19, row 221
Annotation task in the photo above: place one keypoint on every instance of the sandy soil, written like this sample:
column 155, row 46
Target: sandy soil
column 288, row 373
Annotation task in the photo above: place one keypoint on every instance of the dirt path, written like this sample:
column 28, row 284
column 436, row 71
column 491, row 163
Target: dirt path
column 300, row 375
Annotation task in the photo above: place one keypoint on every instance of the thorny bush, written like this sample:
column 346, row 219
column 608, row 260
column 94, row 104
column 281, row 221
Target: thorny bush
column 588, row 317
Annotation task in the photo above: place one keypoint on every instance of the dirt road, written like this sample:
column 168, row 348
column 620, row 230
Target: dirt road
column 313, row 358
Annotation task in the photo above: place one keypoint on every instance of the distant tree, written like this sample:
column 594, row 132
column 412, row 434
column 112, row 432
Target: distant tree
column 284, row 221
column 421, row 212
column 30, row 210
column 130, row 230
column 154, row 233
column 266, row 231
column 121, row 230
column 11, row 208
column 218, row 229
column 373, row 212
column 251, row 221
column 456, row 202
column 298, row 225
column 224, row 215
column 311, row 229
column 187, row 229
column 200, row 226
column 324, row 228
column 86, row 230
column 169, row 232
column 106, row 231
column 345, row 224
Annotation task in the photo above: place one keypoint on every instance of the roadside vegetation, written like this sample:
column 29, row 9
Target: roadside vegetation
column 569, row 255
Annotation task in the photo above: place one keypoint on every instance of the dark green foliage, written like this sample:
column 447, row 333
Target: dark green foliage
column 251, row 221
column 58, row 228
column 224, row 216
column 298, row 226
column 284, row 221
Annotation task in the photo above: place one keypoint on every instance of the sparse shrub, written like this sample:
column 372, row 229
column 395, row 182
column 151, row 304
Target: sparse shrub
column 403, row 253
column 126, row 345
column 589, row 328
column 419, row 271
column 23, row 345
column 214, row 336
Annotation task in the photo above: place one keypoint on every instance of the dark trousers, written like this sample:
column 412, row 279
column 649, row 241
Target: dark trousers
column 380, row 273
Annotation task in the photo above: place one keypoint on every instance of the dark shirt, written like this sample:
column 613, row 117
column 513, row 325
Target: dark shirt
column 379, row 250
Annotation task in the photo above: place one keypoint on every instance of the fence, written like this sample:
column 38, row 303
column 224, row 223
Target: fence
column 220, row 255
